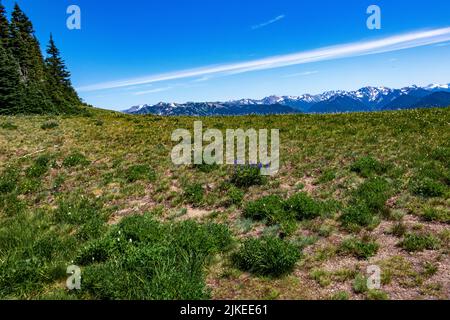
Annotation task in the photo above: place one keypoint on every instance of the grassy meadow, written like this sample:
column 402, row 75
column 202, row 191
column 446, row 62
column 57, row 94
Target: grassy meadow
column 99, row 191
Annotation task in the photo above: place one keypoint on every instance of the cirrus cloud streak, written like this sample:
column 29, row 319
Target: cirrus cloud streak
column 388, row 44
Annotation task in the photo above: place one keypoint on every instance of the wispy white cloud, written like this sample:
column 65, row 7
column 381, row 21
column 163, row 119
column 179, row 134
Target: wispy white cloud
column 443, row 44
column 301, row 74
column 141, row 93
column 388, row 44
column 265, row 24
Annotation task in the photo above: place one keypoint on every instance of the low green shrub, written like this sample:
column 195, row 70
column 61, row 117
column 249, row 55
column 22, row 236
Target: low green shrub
column 368, row 166
column 303, row 206
column 374, row 192
column 361, row 249
column 268, row 207
column 139, row 172
column 235, row 195
column 439, row 215
column 194, row 193
column 419, row 242
column 76, row 159
column 245, row 176
column 358, row 215
column 427, row 187
column 268, row 256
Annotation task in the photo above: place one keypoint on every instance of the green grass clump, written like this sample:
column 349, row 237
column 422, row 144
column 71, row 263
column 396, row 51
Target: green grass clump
column 340, row 295
column 442, row 154
column 269, row 208
column 11, row 205
column 9, row 180
column 360, row 284
column 39, row 168
column 8, row 126
column 327, row 176
column 76, row 159
column 268, row 256
column 427, row 187
column 143, row 259
column 194, row 194
column 49, row 125
column 419, row 242
column 439, row 215
column 303, row 206
column 33, row 254
column 139, row 172
column 368, row 166
column 377, row 295
column 245, row 176
column 83, row 215
column 361, row 249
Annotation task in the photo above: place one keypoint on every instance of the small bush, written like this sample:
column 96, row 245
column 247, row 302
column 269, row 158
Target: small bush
column 49, row 125
column 419, row 242
column 358, row 215
column 361, row 249
column 245, row 176
column 268, row 256
column 139, row 172
column 269, row 207
column 427, row 187
column 368, row 166
column 303, row 206
column 235, row 195
column 194, row 193
column 374, row 193
column 75, row 159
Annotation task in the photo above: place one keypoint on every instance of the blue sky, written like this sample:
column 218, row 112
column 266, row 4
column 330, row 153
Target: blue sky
column 145, row 51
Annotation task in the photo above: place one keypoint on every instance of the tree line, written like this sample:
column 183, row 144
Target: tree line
column 29, row 82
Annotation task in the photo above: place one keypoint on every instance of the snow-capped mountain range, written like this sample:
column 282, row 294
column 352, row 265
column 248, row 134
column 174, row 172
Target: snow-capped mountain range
column 364, row 99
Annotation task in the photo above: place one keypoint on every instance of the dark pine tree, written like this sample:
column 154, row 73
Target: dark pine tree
column 25, row 48
column 10, row 85
column 59, row 75
column 4, row 25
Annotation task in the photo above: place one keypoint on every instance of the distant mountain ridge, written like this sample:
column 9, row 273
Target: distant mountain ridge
column 364, row 99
